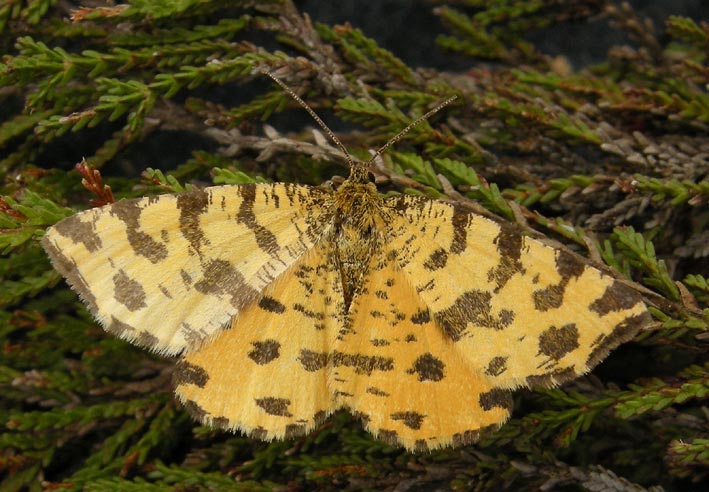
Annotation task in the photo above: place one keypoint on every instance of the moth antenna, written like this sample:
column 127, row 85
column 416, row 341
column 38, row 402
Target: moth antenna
column 314, row 115
column 406, row 130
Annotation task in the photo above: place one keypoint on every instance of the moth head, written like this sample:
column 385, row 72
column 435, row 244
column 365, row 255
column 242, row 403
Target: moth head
column 357, row 191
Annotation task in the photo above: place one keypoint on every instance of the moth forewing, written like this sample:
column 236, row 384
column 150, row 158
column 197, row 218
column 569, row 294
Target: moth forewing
column 167, row 272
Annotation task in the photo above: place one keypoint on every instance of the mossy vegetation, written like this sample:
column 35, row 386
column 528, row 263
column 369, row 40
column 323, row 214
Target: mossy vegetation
column 611, row 160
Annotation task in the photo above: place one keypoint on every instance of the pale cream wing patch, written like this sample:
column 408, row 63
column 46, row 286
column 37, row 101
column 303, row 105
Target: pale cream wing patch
column 166, row 272
column 522, row 312
column 267, row 375
column 396, row 368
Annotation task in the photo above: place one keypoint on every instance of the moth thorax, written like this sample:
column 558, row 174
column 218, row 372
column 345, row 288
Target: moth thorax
column 359, row 231
column 359, row 204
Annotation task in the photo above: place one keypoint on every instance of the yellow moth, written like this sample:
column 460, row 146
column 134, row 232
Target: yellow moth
column 288, row 302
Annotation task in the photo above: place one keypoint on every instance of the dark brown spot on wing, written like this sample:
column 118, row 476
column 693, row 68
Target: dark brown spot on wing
column 79, row 232
column 191, row 205
column 496, row 366
column 388, row 436
column 193, row 336
column 146, row 339
column 509, row 245
column 437, row 260
column 459, row 221
column 274, row 406
column 258, row 433
column 568, row 265
column 303, row 271
column 70, row 270
column 421, row 446
column 472, row 307
column 557, row 342
column 379, row 342
column 468, row 437
column 219, row 277
column 308, row 313
column 312, row 361
column 362, row 364
column 164, row 291
column 412, row 420
column 186, row 373
column 120, row 328
column 128, row 291
column 617, row 297
column 430, row 285
column 201, row 415
column 376, row 391
column 495, row 398
column 264, row 238
column 320, row 417
column 552, row 296
column 551, row 379
column 272, row 305
column 421, row 317
column 221, row 422
column 264, row 351
column 129, row 211
column 427, row 367
column 622, row 333
column 186, row 278
column 294, row 430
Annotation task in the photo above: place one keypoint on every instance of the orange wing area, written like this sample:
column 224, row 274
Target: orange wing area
column 266, row 376
column 521, row 312
column 394, row 366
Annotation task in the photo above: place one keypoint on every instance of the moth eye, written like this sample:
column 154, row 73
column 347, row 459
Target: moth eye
column 371, row 177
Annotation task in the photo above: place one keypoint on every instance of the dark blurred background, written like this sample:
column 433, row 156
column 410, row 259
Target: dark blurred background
column 408, row 28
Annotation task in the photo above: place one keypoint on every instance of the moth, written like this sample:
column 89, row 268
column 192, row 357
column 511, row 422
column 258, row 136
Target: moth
column 287, row 302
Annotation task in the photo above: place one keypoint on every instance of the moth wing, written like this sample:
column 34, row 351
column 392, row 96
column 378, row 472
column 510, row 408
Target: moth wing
column 166, row 272
column 395, row 367
column 523, row 312
column 267, row 375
